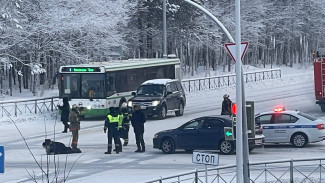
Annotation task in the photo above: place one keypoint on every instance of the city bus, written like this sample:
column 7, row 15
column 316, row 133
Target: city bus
column 96, row 86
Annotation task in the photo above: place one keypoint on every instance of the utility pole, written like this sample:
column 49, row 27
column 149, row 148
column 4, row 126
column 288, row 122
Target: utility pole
column 165, row 30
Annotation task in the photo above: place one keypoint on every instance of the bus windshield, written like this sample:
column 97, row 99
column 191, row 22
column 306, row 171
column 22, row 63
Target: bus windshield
column 151, row 90
column 83, row 86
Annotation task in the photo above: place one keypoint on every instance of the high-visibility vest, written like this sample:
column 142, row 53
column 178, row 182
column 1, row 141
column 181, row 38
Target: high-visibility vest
column 116, row 119
column 113, row 119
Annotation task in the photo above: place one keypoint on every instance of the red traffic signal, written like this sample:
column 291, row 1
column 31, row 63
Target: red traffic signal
column 234, row 108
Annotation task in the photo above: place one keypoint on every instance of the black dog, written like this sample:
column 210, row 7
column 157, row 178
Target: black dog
column 52, row 147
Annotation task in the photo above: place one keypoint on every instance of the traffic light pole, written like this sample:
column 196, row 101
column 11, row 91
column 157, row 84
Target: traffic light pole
column 239, row 101
column 245, row 137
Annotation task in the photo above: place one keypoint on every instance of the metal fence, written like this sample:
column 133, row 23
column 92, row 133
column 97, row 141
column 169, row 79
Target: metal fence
column 18, row 107
column 41, row 105
column 284, row 171
column 228, row 80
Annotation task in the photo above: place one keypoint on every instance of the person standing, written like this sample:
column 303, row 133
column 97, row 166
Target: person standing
column 226, row 105
column 137, row 120
column 112, row 123
column 74, row 126
column 124, row 131
column 65, row 110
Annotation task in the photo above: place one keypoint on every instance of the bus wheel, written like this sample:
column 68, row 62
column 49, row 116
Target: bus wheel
column 162, row 113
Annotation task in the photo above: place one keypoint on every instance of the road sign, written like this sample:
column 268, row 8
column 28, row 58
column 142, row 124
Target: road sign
column 231, row 47
column 229, row 135
column 2, row 159
column 206, row 158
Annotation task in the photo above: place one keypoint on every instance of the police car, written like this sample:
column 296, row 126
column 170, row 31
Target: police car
column 295, row 127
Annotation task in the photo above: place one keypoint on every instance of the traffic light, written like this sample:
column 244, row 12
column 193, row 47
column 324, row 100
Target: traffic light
column 234, row 108
column 229, row 135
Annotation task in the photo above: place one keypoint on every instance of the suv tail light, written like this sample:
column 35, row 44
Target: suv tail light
column 320, row 126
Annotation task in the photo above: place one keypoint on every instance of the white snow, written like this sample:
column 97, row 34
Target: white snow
column 153, row 163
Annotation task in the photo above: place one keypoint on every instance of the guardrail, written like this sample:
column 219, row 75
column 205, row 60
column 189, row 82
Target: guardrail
column 18, row 107
column 228, row 80
column 293, row 171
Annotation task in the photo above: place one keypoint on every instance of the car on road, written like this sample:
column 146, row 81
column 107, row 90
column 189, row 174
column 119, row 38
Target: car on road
column 289, row 126
column 156, row 97
column 203, row 133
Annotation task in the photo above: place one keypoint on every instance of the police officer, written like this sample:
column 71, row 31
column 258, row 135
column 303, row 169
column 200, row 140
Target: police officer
column 74, row 126
column 124, row 131
column 113, row 123
column 226, row 105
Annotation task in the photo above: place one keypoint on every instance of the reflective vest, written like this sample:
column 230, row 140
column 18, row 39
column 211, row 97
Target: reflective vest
column 116, row 119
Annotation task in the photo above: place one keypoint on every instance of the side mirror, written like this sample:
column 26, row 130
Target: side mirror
column 133, row 93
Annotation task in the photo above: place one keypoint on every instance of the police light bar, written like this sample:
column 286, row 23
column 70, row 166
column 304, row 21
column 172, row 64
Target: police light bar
column 279, row 108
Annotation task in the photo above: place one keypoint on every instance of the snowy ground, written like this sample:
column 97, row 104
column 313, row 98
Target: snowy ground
column 294, row 90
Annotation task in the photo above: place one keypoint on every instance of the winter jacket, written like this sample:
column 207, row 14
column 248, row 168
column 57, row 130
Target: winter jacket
column 65, row 110
column 74, row 120
column 226, row 107
column 137, row 120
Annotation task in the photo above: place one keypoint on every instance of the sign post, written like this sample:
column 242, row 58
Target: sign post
column 2, row 159
column 206, row 158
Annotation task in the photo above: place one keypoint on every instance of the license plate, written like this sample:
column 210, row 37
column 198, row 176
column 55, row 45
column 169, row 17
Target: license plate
column 143, row 107
column 258, row 141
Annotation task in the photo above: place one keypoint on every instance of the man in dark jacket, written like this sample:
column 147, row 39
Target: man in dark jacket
column 65, row 110
column 137, row 120
column 113, row 123
column 226, row 105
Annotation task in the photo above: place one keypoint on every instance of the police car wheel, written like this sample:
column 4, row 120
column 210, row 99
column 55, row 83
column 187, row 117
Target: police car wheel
column 168, row 146
column 226, row 147
column 299, row 140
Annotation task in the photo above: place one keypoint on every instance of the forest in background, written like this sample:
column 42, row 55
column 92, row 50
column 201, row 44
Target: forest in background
column 38, row 36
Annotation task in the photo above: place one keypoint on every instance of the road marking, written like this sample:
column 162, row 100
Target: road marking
column 121, row 160
column 90, row 161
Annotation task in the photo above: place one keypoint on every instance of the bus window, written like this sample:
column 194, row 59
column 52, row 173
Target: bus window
column 93, row 86
column 110, row 84
column 70, row 85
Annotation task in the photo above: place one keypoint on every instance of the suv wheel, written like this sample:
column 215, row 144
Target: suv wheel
column 180, row 111
column 162, row 113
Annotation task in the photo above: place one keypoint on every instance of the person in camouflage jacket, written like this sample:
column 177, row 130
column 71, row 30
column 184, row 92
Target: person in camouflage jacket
column 74, row 126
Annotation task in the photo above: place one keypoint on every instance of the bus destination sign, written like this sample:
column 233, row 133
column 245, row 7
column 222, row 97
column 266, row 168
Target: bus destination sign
column 80, row 69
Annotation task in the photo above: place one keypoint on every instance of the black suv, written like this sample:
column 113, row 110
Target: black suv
column 158, row 96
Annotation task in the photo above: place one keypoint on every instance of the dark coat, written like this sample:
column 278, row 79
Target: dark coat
column 226, row 107
column 65, row 110
column 137, row 120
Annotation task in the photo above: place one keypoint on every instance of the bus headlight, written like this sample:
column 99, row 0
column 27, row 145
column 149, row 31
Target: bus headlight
column 89, row 107
column 130, row 103
column 155, row 102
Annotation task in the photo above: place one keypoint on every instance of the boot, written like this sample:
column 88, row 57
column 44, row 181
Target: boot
column 139, row 148
column 117, row 148
column 125, row 144
column 143, row 149
column 109, row 149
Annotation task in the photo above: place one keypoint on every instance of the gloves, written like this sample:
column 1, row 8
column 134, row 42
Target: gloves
column 105, row 130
